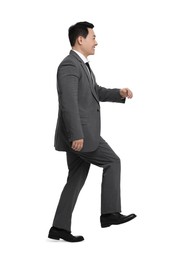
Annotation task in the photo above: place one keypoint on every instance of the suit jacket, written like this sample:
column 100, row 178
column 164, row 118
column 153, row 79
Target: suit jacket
column 79, row 108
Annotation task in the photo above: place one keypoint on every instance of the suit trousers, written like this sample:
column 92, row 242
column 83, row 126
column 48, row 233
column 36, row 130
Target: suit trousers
column 78, row 165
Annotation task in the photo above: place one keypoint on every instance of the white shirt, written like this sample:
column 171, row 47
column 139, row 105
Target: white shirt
column 85, row 60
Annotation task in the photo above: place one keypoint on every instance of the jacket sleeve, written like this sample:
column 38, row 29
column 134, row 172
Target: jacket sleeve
column 67, row 86
column 111, row 95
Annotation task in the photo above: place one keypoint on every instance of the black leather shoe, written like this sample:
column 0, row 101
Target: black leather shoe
column 57, row 233
column 114, row 219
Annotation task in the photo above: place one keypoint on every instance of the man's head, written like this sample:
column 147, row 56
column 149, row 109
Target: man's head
column 82, row 38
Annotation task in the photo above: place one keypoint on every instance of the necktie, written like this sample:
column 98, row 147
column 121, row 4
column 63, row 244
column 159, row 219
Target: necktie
column 91, row 74
column 87, row 64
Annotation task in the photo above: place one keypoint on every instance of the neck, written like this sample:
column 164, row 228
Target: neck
column 80, row 51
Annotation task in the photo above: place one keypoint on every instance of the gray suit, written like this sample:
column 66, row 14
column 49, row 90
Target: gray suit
column 79, row 118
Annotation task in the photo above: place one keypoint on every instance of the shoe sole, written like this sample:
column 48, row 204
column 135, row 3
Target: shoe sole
column 104, row 225
column 58, row 238
column 54, row 237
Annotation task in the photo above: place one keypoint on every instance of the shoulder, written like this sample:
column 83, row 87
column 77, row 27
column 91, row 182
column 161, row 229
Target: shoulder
column 72, row 58
column 70, row 64
column 69, row 61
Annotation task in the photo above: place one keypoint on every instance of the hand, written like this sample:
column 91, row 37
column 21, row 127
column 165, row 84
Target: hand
column 77, row 145
column 126, row 92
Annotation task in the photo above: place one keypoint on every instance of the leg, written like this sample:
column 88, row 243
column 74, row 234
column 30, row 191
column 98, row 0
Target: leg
column 78, row 171
column 110, row 195
column 106, row 158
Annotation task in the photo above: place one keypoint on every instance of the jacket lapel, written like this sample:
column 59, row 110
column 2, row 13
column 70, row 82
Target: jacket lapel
column 87, row 74
column 91, row 81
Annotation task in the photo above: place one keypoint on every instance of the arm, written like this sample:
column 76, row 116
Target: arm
column 111, row 95
column 67, row 78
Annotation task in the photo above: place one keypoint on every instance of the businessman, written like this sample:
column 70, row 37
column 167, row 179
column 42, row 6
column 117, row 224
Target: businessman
column 78, row 134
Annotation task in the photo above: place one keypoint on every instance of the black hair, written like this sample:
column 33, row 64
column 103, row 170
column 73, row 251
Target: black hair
column 78, row 29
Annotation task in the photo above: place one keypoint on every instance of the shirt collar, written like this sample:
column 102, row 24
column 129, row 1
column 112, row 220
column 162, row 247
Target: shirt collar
column 81, row 56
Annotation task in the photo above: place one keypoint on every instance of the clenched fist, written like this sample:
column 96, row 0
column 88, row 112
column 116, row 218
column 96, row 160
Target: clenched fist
column 126, row 93
column 77, row 145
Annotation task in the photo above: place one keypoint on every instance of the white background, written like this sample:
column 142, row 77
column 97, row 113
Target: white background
column 136, row 50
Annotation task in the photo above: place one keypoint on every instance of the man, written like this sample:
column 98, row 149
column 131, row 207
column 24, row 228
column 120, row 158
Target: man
column 78, row 133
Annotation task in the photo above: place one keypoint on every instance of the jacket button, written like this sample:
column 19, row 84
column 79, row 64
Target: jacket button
column 98, row 110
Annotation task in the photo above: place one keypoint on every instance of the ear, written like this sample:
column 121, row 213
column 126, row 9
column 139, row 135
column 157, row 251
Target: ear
column 80, row 40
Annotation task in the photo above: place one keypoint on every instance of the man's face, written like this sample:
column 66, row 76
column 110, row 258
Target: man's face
column 89, row 43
